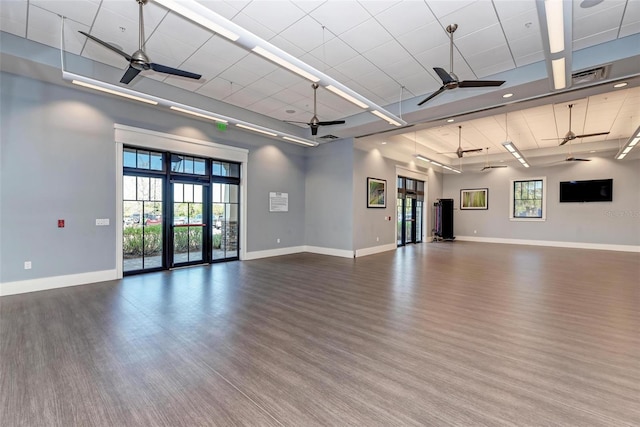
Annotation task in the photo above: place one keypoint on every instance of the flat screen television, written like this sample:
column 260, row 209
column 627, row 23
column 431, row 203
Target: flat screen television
column 595, row 190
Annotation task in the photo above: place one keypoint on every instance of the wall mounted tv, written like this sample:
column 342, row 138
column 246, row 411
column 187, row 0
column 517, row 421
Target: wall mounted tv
column 596, row 190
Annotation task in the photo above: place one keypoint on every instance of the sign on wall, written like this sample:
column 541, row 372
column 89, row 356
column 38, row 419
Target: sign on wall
column 278, row 202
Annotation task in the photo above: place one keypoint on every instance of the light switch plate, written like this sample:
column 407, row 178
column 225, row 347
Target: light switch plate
column 102, row 221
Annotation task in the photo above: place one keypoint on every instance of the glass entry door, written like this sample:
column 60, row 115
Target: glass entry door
column 410, row 211
column 188, row 229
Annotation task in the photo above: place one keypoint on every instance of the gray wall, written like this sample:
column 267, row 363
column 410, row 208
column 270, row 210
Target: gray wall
column 370, row 227
column 329, row 198
column 616, row 222
column 57, row 158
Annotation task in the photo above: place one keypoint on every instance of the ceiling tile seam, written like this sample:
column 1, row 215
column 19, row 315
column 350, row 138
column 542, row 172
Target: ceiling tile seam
column 531, row 131
column 26, row 25
column 626, row 96
column 513, row 58
column 624, row 11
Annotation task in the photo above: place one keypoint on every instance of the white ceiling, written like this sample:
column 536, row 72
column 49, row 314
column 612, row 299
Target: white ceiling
column 383, row 49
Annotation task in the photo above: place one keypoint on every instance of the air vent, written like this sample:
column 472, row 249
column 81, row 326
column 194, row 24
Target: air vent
column 329, row 137
column 591, row 75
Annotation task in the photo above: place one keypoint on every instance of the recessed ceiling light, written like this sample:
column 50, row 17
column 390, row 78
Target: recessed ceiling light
column 450, row 121
column 384, row 143
column 592, row 151
column 621, row 84
column 507, row 95
column 289, row 111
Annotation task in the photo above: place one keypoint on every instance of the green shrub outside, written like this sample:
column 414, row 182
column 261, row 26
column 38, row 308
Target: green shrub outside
column 185, row 238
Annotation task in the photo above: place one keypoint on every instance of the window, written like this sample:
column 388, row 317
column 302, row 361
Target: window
column 143, row 159
column 528, row 199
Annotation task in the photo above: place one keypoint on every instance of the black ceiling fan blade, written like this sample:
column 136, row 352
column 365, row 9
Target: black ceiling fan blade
column 472, row 150
column 107, row 45
column 433, row 95
column 564, row 141
column 444, row 76
column 174, row 71
column 592, row 134
column 129, row 75
column 481, row 83
column 333, row 122
column 575, row 159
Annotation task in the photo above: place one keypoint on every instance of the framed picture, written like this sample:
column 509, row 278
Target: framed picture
column 376, row 193
column 474, row 199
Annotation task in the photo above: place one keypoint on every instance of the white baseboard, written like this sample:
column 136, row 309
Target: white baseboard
column 376, row 249
column 344, row 253
column 273, row 252
column 45, row 283
column 552, row 243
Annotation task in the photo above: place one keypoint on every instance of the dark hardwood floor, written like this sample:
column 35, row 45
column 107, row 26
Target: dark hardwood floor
column 435, row 334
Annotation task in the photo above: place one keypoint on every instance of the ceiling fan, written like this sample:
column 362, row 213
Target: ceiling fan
column 315, row 123
column 460, row 152
column 489, row 166
column 139, row 60
column 570, row 136
column 450, row 80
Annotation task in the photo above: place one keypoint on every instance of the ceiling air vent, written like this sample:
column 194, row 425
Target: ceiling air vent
column 329, row 137
column 590, row 75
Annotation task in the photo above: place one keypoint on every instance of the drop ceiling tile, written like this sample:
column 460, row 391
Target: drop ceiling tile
column 631, row 16
column 404, row 68
column 508, row 8
column 253, row 26
column 521, row 61
column 471, row 18
column 595, row 39
column 424, row 38
column 354, row 67
column 98, row 53
column 267, row 106
column 217, row 88
column 480, row 41
column 335, row 51
column 256, row 64
column 387, row 53
column 279, row 14
column 605, row 20
column 309, row 5
column 376, row 78
column 439, row 57
column 405, row 16
column 524, row 46
column 284, row 77
column 366, row 36
column 442, row 8
column 265, row 87
column 521, row 26
column 307, row 34
column 289, row 97
column 128, row 10
column 184, row 83
column 420, row 84
column 44, row 27
column 13, row 17
column 313, row 61
column 494, row 68
column 174, row 51
column 243, row 97
column 107, row 27
column 183, row 30
column 340, row 16
column 580, row 12
column 78, row 10
column 223, row 8
column 239, row 76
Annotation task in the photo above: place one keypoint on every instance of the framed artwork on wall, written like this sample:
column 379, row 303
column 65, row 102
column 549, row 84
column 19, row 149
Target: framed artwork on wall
column 376, row 193
column 474, row 199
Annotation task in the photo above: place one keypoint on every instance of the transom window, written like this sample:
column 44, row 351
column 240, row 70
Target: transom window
column 528, row 199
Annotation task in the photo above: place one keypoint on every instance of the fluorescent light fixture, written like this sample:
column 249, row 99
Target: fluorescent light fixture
column 113, row 90
column 203, row 16
column 559, row 73
column 633, row 140
column 507, row 95
column 348, row 97
column 433, row 162
column 194, row 112
column 284, row 63
column 387, row 119
column 299, row 141
column 555, row 25
column 254, row 129
column 450, row 120
column 619, row 85
column 511, row 148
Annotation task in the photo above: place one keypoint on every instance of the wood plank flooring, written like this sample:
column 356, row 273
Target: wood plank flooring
column 436, row 334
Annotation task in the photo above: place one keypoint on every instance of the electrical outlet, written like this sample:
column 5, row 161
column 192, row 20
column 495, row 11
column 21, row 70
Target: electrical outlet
column 102, row 221
column 27, row 265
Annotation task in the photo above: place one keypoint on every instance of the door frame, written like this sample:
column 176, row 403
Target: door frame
column 426, row 213
column 145, row 138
